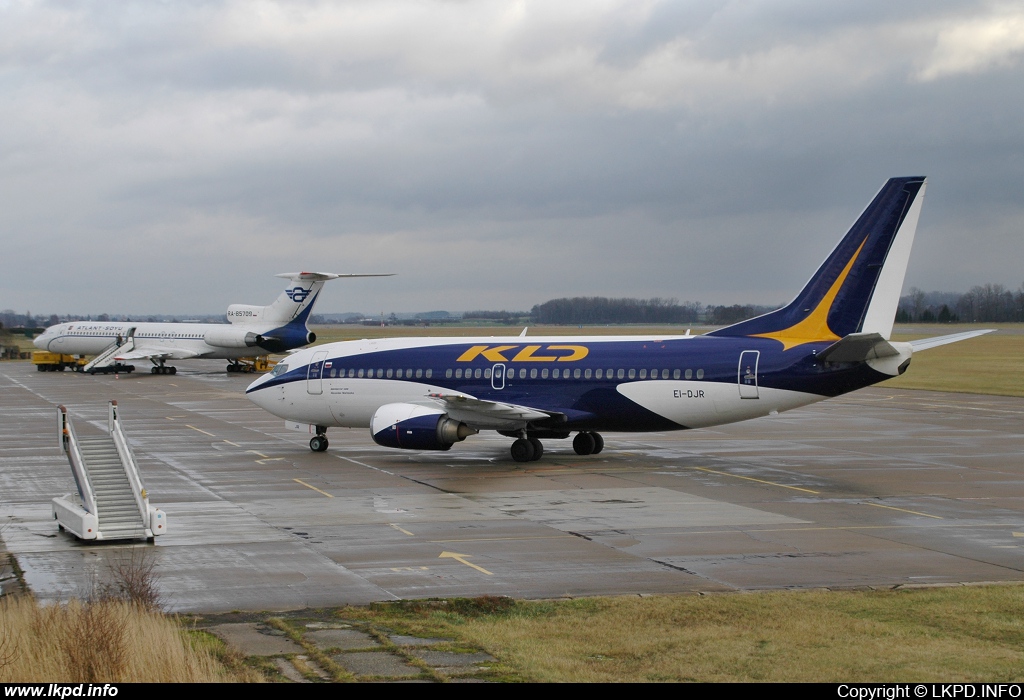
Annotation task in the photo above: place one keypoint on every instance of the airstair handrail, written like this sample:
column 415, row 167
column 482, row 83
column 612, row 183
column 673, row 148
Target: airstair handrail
column 69, row 443
column 124, row 452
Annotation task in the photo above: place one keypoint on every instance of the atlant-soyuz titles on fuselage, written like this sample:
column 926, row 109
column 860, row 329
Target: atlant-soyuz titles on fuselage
column 253, row 330
column 428, row 394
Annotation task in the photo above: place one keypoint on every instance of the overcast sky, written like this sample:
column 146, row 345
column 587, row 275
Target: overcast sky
column 171, row 157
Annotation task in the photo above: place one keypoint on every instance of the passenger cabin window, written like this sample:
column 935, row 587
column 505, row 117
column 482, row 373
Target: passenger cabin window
column 620, row 374
column 689, row 374
column 448, row 374
column 643, row 374
column 675, row 374
column 632, row 374
column 700, row 374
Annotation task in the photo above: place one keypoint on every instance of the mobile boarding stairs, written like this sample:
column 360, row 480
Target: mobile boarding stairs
column 107, row 360
column 111, row 503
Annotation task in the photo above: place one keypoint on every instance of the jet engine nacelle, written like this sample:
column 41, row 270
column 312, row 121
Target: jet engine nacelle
column 229, row 337
column 411, row 427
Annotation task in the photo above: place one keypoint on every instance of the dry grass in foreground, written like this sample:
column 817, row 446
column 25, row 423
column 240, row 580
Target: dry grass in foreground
column 945, row 634
column 107, row 641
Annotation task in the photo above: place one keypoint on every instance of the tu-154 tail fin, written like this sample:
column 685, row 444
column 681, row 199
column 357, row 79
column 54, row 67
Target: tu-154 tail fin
column 295, row 303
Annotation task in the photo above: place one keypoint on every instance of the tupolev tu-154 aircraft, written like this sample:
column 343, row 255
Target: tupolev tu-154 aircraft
column 430, row 393
column 253, row 330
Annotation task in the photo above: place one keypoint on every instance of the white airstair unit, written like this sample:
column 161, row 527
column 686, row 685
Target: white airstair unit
column 108, row 358
column 111, row 503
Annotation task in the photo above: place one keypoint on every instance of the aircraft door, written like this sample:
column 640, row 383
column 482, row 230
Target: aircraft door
column 315, row 373
column 498, row 376
column 746, row 374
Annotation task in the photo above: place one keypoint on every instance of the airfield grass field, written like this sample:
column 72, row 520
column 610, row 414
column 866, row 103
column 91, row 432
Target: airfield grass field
column 950, row 634
column 962, row 634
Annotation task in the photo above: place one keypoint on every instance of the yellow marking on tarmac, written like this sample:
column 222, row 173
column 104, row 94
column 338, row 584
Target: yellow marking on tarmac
column 760, row 481
column 503, row 539
column 199, row 431
column 260, row 454
column 410, row 568
column 1018, row 534
column 312, row 487
column 403, row 530
column 461, row 558
column 903, row 510
column 232, row 443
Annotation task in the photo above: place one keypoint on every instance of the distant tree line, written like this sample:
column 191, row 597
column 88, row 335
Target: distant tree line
column 592, row 310
column 989, row 303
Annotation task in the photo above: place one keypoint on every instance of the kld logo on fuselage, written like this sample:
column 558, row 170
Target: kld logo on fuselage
column 529, row 353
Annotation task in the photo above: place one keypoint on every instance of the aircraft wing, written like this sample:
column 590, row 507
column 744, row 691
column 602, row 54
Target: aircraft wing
column 491, row 415
column 156, row 353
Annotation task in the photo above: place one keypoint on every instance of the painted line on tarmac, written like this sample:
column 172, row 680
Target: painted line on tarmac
column 903, row 510
column 461, row 558
column 401, row 529
column 504, row 539
column 309, row 486
column 760, row 481
column 199, row 431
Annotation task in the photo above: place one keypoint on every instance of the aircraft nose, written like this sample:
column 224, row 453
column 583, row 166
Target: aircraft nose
column 41, row 341
column 260, row 398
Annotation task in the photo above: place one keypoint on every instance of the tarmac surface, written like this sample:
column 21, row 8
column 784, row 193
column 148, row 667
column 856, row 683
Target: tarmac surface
column 878, row 488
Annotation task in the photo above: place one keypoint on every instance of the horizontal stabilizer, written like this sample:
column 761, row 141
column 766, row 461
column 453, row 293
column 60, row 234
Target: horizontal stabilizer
column 858, row 347
column 323, row 276
column 928, row 343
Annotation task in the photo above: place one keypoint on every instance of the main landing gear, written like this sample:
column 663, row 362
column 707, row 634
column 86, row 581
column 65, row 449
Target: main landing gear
column 530, row 449
column 527, row 449
column 318, row 443
column 160, row 368
column 588, row 443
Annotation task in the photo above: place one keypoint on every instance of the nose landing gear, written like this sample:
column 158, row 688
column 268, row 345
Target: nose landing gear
column 318, row 443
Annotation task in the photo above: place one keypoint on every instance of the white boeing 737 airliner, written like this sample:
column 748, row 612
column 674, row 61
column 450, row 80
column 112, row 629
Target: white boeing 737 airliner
column 254, row 330
column 428, row 394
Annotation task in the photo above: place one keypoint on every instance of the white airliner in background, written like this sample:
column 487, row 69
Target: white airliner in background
column 253, row 330
column 429, row 393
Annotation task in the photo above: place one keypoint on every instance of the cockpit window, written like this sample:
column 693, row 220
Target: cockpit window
column 279, row 369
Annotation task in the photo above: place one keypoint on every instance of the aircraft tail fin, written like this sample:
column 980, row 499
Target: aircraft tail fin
column 295, row 303
column 857, row 288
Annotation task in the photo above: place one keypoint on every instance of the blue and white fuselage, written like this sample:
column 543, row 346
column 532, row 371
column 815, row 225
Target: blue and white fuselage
column 834, row 337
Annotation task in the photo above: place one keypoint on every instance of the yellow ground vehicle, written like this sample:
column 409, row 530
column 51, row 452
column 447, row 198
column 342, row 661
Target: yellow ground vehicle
column 263, row 363
column 56, row 362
